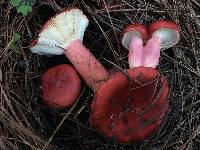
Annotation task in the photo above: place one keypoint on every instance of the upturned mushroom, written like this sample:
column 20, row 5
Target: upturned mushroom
column 63, row 34
column 168, row 33
column 163, row 34
column 61, row 86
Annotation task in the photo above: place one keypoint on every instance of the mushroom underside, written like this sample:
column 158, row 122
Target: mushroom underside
column 167, row 31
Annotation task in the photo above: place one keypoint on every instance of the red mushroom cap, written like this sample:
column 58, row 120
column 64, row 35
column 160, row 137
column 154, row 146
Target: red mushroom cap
column 159, row 24
column 167, row 31
column 130, row 107
column 132, row 30
column 61, row 86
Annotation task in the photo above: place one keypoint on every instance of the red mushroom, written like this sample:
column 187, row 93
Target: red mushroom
column 63, row 34
column 133, row 30
column 130, row 106
column 133, row 36
column 61, row 86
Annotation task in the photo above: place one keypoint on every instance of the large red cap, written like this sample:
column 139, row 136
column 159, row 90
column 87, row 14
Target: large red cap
column 61, row 86
column 130, row 107
column 167, row 31
column 133, row 30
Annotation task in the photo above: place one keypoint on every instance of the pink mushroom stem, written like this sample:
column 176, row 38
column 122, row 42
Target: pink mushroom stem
column 147, row 56
column 135, row 54
column 152, row 52
column 86, row 64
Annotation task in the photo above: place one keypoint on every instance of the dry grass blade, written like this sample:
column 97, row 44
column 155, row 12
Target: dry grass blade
column 26, row 123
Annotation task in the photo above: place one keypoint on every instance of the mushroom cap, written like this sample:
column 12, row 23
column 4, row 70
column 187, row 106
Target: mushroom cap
column 167, row 31
column 130, row 107
column 132, row 30
column 61, row 86
column 59, row 31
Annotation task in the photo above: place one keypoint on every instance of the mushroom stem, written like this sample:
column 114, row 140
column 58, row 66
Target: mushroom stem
column 152, row 52
column 147, row 56
column 135, row 54
column 86, row 64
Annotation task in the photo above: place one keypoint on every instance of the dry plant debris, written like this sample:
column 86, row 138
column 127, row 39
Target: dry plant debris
column 28, row 124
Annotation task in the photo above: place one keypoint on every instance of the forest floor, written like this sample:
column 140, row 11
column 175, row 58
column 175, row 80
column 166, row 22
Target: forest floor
column 26, row 123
